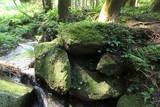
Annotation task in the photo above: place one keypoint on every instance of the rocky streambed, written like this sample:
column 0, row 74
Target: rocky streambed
column 87, row 65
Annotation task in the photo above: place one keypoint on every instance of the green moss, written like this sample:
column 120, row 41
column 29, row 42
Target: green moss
column 53, row 66
column 43, row 48
column 131, row 101
column 82, row 33
column 14, row 88
column 27, row 54
column 108, row 65
column 8, row 100
column 92, row 86
column 95, row 37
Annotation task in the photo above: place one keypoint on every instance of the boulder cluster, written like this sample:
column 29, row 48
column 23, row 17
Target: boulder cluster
column 95, row 61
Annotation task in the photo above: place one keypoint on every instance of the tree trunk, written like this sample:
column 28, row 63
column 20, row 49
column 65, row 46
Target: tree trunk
column 132, row 3
column 47, row 5
column 24, row 1
column 156, row 5
column 63, row 9
column 110, row 10
column 97, row 3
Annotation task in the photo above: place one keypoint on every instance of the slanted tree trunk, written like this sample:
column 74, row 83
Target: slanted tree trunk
column 47, row 5
column 63, row 9
column 110, row 10
column 156, row 5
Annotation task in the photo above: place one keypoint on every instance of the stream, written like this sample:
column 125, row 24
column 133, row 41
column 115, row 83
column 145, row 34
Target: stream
column 22, row 57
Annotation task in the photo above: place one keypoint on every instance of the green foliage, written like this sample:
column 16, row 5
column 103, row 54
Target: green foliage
column 147, row 94
column 24, row 30
column 122, row 19
column 117, row 39
column 7, row 42
column 144, row 60
column 143, row 13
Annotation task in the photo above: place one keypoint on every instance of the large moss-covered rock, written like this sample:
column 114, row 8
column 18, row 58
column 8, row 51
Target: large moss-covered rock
column 81, row 38
column 13, row 94
column 109, row 65
column 93, row 86
column 52, row 64
column 90, row 38
column 131, row 101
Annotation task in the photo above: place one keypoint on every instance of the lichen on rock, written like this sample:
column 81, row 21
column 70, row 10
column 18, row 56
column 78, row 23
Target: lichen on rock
column 13, row 94
column 109, row 65
column 53, row 67
column 89, row 85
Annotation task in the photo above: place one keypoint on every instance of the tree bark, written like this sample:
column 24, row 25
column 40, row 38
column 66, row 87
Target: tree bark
column 156, row 5
column 63, row 9
column 47, row 5
column 110, row 10
column 97, row 3
column 132, row 3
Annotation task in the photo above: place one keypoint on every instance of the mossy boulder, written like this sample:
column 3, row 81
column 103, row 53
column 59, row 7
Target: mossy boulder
column 89, row 85
column 131, row 101
column 13, row 94
column 52, row 64
column 90, row 38
column 109, row 65
column 81, row 38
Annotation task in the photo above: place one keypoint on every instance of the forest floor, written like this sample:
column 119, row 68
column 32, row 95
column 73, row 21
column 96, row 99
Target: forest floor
column 155, row 27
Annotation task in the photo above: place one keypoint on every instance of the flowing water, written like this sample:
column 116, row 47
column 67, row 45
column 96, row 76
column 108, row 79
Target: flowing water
column 21, row 57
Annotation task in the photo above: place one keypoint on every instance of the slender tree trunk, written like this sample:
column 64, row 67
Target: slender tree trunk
column 110, row 10
column 83, row 4
column 63, row 9
column 97, row 3
column 86, row 4
column 132, row 3
column 47, row 5
column 156, row 5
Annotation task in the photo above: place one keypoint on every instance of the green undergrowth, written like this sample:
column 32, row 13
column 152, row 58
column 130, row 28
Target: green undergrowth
column 140, row 13
column 117, row 38
column 7, row 42
column 144, row 61
column 130, row 44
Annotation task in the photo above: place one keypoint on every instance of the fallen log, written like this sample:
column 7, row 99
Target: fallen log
column 9, row 70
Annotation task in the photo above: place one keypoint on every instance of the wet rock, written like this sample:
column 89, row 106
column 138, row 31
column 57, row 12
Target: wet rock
column 131, row 101
column 13, row 94
column 54, row 101
column 93, row 86
column 52, row 64
column 109, row 65
column 37, row 98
